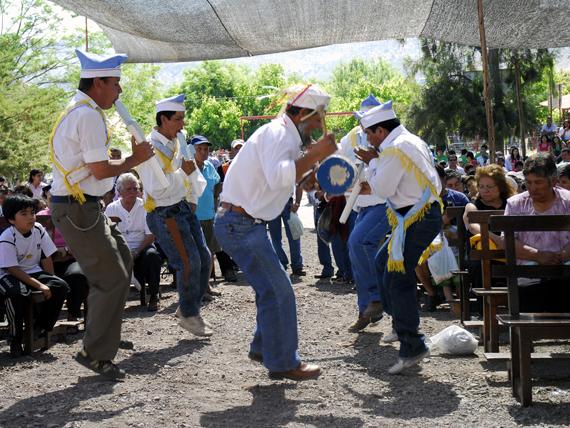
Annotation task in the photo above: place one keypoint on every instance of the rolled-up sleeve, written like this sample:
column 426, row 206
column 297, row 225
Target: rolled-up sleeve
column 93, row 137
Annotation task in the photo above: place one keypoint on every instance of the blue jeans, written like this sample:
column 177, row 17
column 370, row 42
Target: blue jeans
column 340, row 250
column 294, row 244
column 371, row 226
column 177, row 224
column 275, row 336
column 323, row 249
column 398, row 290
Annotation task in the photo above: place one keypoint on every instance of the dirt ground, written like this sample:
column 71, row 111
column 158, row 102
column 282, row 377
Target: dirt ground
column 177, row 380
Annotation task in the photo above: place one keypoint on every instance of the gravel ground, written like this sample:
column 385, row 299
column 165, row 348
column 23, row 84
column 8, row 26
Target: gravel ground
column 180, row 381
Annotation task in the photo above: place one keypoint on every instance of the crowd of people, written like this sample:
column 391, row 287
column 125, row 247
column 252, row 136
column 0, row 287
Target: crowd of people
column 107, row 221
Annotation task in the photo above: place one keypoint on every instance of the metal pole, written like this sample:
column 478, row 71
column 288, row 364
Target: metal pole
column 486, row 90
column 86, row 37
column 520, row 105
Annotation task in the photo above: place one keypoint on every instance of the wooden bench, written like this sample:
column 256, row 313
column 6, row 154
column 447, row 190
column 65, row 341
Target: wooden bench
column 492, row 296
column 524, row 328
column 455, row 214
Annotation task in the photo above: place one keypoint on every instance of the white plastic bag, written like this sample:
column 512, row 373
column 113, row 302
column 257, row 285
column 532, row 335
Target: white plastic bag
column 295, row 226
column 454, row 340
column 442, row 262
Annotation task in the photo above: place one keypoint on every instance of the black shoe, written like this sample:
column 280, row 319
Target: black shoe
column 430, row 303
column 323, row 276
column 126, row 344
column 230, row 276
column 16, row 350
column 105, row 368
column 299, row 272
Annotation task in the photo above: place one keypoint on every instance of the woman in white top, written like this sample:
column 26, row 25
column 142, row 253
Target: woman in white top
column 564, row 131
column 35, row 182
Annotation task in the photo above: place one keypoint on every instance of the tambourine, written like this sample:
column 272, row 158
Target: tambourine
column 336, row 174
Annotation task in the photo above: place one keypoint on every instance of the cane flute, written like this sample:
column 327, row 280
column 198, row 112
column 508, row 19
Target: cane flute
column 150, row 170
column 188, row 152
column 353, row 196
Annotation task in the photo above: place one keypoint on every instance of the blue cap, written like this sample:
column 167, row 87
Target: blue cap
column 368, row 103
column 175, row 103
column 198, row 139
column 378, row 114
column 100, row 66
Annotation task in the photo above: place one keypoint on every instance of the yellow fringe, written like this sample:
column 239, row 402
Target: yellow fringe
column 149, row 203
column 432, row 249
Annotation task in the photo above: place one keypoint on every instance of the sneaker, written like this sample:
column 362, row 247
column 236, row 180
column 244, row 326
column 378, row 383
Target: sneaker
column 105, row 368
column 374, row 310
column 195, row 325
column 404, row 363
column 299, row 272
column 207, row 297
column 390, row 337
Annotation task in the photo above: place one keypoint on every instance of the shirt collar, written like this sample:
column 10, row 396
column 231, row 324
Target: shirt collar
column 82, row 96
column 161, row 138
column 292, row 129
column 395, row 133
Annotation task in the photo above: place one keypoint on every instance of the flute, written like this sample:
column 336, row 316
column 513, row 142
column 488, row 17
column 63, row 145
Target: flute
column 197, row 181
column 150, row 171
column 353, row 196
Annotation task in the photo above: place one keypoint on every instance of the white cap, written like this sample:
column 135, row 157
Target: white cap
column 175, row 103
column 308, row 96
column 379, row 114
column 99, row 66
column 236, row 143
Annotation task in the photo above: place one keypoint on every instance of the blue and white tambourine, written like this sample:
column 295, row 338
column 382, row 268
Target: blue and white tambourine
column 336, row 174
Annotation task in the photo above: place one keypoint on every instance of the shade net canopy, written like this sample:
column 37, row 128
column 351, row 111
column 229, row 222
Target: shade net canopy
column 190, row 30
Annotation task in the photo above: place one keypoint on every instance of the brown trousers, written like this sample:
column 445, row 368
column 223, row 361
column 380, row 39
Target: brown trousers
column 106, row 261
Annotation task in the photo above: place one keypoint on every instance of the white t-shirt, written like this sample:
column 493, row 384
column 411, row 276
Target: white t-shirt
column 24, row 252
column 133, row 224
column 37, row 191
column 79, row 139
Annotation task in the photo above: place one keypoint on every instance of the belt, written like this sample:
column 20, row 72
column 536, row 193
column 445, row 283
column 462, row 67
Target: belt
column 70, row 199
column 235, row 209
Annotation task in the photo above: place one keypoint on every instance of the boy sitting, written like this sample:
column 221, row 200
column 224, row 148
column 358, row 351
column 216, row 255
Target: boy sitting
column 25, row 265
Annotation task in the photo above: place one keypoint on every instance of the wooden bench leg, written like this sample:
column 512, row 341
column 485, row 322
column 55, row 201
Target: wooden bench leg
column 494, row 326
column 463, row 292
column 525, row 386
column 487, row 321
column 514, row 369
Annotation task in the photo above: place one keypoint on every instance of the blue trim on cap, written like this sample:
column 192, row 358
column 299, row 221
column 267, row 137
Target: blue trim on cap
column 91, row 61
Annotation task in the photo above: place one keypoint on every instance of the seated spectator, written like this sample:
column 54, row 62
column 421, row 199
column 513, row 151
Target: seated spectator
column 564, row 155
column 493, row 192
column 4, row 192
column 564, row 131
column 440, row 156
column 130, row 211
column 549, row 129
column 66, row 267
column 25, row 265
column 564, row 175
column 544, row 248
column 512, row 158
column 453, row 181
column 501, row 163
column 453, row 164
column 544, row 145
column 470, row 184
column 35, row 183
column 483, row 156
column 470, row 161
column 557, row 146
column 463, row 157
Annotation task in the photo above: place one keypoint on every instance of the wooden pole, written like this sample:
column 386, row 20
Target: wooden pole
column 560, row 104
column 486, row 89
column 520, row 106
column 86, row 37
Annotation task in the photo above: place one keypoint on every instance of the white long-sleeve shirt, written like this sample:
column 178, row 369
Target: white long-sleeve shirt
column 261, row 176
column 388, row 176
column 177, row 189
column 347, row 149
